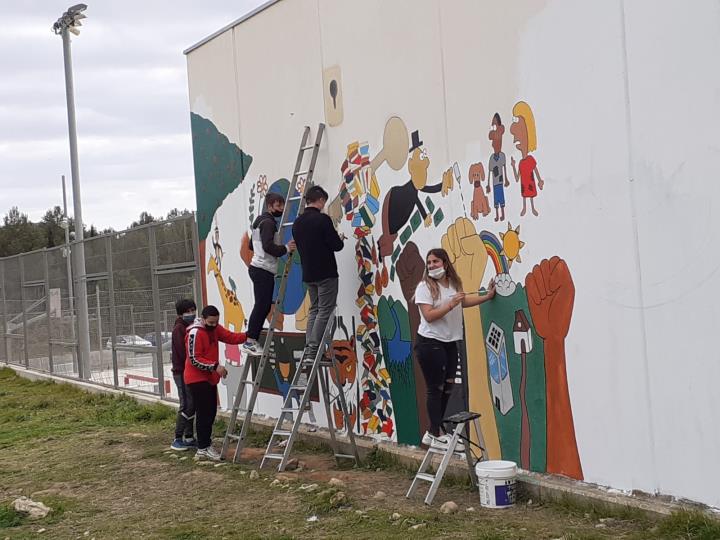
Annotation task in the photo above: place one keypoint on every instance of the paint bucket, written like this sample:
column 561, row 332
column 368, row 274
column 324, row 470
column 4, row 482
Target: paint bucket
column 496, row 482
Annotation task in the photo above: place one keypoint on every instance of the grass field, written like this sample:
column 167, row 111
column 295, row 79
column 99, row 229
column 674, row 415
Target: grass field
column 103, row 465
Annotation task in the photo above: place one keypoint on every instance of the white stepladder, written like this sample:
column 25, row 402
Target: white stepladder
column 306, row 372
column 293, row 207
column 461, row 431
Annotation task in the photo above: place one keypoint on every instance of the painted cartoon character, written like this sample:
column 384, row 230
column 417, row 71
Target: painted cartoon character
column 497, row 169
column 525, row 139
column 344, row 352
column 479, row 205
column 216, row 247
column 402, row 200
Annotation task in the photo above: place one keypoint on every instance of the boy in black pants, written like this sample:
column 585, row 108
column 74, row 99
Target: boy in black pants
column 263, row 267
column 184, row 424
column 203, row 373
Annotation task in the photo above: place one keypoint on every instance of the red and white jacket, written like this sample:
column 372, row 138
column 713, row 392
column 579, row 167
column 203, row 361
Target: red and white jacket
column 202, row 351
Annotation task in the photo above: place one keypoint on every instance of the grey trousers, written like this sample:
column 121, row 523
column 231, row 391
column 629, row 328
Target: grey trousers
column 185, row 422
column 323, row 297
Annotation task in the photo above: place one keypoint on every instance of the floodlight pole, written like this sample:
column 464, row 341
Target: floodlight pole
column 78, row 250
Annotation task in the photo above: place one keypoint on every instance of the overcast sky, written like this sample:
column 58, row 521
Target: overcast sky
column 132, row 106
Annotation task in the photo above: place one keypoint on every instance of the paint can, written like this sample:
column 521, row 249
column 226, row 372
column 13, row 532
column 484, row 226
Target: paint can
column 496, row 482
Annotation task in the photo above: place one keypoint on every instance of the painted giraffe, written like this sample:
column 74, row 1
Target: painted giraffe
column 232, row 312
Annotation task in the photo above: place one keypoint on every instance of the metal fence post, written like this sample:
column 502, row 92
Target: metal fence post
column 113, row 319
column 51, row 367
column 24, row 314
column 160, row 375
column 99, row 322
column 6, row 347
column 199, row 300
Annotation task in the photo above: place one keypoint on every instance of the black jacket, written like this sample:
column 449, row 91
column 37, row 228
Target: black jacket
column 178, row 352
column 317, row 241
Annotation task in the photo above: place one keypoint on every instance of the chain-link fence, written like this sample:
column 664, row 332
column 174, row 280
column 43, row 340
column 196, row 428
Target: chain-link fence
column 134, row 278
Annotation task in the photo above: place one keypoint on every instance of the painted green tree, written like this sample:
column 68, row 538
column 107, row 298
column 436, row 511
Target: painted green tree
column 220, row 167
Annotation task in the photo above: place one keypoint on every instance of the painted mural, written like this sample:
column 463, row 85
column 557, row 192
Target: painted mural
column 514, row 348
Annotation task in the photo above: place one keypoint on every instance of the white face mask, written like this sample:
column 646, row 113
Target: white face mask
column 437, row 273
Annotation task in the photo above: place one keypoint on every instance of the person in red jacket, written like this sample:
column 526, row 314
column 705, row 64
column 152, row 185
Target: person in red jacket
column 203, row 372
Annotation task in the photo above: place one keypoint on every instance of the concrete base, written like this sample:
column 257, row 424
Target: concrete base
column 535, row 486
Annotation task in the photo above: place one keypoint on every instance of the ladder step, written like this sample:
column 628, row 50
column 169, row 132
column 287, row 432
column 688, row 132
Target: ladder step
column 298, row 387
column 307, row 147
column 288, row 224
column 425, row 476
column 345, row 456
column 233, row 436
column 300, row 173
column 297, row 198
column 289, row 410
column 443, row 451
column 282, row 432
column 274, row 456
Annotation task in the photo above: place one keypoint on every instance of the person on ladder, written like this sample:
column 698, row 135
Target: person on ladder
column 263, row 267
column 317, row 241
column 439, row 297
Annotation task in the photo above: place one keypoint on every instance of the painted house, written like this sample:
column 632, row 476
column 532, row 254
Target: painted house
column 498, row 369
column 564, row 149
column 522, row 333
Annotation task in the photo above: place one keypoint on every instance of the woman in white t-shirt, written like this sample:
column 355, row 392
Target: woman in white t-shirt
column 440, row 299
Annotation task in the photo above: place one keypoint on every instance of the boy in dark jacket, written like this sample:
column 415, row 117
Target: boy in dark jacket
column 317, row 241
column 203, row 372
column 263, row 267
column 184, row 425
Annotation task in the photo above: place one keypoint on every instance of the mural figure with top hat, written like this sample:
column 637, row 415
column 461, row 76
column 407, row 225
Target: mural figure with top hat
column 401, row 200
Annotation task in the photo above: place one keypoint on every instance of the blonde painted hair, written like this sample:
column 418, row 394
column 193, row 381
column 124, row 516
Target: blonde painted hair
column 523, row 110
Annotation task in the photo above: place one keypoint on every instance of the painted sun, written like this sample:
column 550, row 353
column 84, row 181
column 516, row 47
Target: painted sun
column 512, row 244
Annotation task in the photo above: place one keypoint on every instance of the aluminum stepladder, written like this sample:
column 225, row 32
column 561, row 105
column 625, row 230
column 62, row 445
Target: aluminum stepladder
column 287, row 220
column 283, row 438
column 461, row 430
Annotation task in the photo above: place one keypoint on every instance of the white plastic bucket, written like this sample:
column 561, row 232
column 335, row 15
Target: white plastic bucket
column 496, row 481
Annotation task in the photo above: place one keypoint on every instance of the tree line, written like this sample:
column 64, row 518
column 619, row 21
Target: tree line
column 19, row 235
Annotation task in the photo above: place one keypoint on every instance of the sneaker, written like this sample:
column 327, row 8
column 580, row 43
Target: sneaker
column 190, row 442
column 208, row 453
column 443, row 441
column 251, row 348
column 179, row 445
column 439, row 443
column 427, row 439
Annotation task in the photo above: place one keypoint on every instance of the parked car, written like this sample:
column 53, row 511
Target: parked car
column 136, row 341
column 166, row 337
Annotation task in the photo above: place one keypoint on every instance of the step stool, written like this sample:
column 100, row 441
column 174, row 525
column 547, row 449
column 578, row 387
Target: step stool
column 461, row 431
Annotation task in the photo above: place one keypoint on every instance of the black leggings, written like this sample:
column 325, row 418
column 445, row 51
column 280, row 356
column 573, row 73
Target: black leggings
column 439, row 362
column 263, row 286
column 204, row 397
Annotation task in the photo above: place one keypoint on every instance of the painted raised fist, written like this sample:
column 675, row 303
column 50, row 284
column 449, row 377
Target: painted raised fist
column 467, row 252
column 551, row 294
